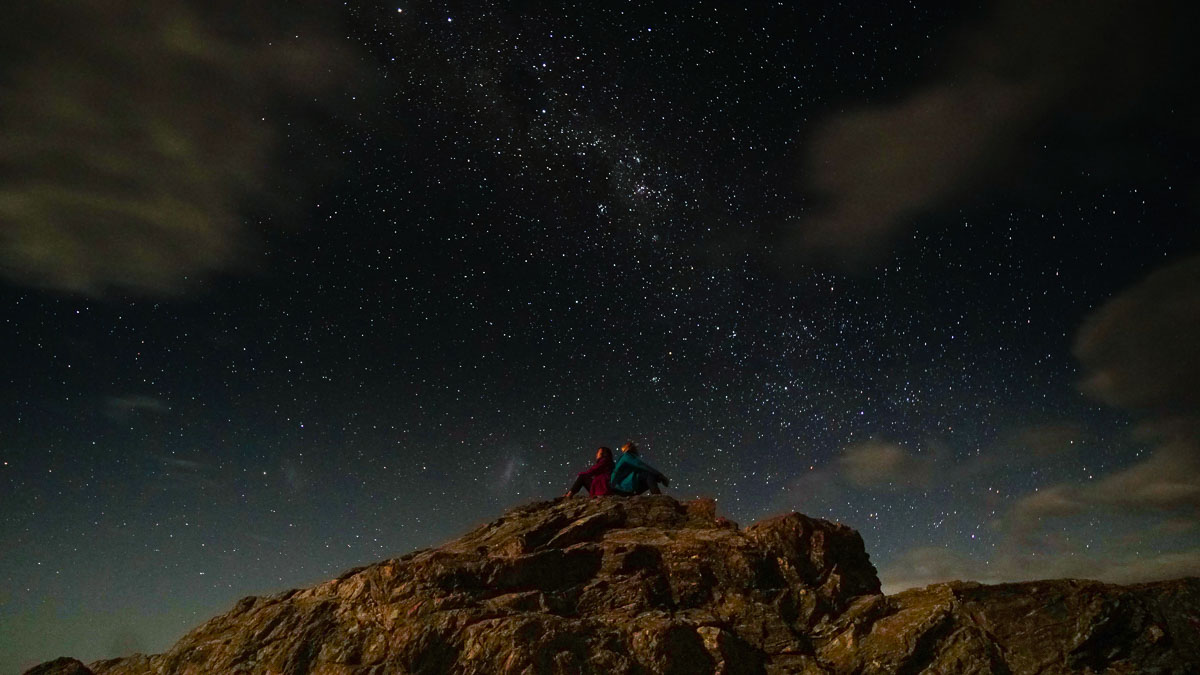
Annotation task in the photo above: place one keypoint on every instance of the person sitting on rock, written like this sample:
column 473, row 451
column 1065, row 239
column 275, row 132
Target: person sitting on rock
column 595, row 479
column 632, row 476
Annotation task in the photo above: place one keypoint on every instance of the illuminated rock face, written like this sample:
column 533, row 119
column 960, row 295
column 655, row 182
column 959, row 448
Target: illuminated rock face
column 651, row 585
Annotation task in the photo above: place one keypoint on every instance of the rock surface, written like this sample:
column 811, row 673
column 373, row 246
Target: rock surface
column 651, row 585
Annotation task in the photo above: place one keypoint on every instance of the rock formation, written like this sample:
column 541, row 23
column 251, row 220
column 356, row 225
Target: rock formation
column 651, row 585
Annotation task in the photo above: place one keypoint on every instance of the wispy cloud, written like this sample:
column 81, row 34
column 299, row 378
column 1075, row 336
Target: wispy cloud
column 124, row 407
column 509, row 471
column 172, row 472
column 270, row 541
column 182, row 464
column 294, row 475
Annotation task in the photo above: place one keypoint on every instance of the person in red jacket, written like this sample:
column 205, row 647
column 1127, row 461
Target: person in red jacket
column 595, row 479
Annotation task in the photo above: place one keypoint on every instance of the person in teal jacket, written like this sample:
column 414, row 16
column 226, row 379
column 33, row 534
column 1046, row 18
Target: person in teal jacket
column 632, row 476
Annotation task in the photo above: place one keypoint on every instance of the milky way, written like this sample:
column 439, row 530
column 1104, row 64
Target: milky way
column 735, row 236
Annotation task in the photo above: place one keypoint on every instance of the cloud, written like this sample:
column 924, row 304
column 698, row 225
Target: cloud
column 266, row 540
column 123, row 407
column 509, row 475
column 1134, row 569
column 810, row 492
column 179, row 473
column 1176, row 526
column 1169, row 479
column 510, row 471
column 1139, row 349
column 1054, row 502
column 1155, row 502
column 875, row 167
column 135, row 135
column 878, row 463
column 182, row 464
column 1138, row 353
column 928, row 565
column 872, row 169
column 1045, row 441
column 882, row 464
column 1166, row 481
column 294, row 475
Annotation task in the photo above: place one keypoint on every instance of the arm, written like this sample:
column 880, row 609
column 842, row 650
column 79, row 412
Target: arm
column 636, row 462
column 597, row 469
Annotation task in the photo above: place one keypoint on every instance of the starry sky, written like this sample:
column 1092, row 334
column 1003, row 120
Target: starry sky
column 293, row 288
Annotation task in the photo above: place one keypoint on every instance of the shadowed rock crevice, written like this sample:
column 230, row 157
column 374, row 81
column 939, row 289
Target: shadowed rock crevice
column 649, row 585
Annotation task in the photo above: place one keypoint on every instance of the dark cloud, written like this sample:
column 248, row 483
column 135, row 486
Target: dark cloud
column 136, row 133
column 1139, row 350
column 874, row 168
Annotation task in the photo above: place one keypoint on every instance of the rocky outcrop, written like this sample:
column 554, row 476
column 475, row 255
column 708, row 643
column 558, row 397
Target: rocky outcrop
column 1061, row 626
column 651, row 585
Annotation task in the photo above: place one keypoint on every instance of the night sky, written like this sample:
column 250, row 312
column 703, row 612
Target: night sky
column 296, row 288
